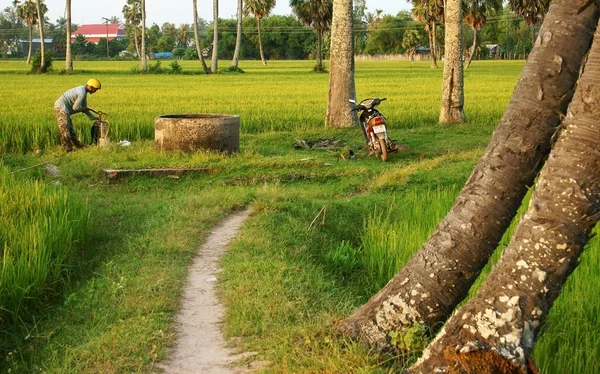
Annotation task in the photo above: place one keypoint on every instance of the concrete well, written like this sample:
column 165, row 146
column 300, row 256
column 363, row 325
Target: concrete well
column 192, row 132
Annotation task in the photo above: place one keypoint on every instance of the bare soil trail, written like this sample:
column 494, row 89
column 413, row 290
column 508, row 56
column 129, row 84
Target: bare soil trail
column 200, row 346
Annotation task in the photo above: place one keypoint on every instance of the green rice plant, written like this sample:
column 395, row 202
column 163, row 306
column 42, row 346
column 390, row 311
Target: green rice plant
column 41, row 230
column 390, row 238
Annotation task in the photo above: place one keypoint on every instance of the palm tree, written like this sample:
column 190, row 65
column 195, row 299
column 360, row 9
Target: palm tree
column 238, row 38
column 114, row 20
column 143, row 48
column 27, row 11
column 68, row 59
column 439, row 276
column 215, row 50
column 410, row 42
column 341, row 79
column 429, row 12
column 259, row 9
column 197, row 39
column 532, row 11
column 41, row 10
column 183, row 35
column 453, row 85
column 316, row 14
column 546, row 246
column 475, row 15
column 132, row 13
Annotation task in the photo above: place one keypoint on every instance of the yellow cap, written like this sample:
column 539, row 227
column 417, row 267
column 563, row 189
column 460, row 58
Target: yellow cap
column 94, row 83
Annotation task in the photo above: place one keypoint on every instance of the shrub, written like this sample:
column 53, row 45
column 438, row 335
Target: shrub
column 37, row 60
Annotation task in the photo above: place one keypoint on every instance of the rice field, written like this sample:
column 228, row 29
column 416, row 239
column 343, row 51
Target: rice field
column 312, row 274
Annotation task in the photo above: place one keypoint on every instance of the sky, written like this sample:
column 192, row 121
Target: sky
column 176, row 11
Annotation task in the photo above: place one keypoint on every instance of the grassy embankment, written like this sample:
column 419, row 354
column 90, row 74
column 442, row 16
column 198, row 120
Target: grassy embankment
column 284, row 282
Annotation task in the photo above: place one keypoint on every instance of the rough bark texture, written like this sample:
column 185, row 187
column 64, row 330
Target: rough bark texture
column 215, row 51
column 341, row 77
column 503, row 320
column 453, row 99
column 439, row 276
column 68, row 60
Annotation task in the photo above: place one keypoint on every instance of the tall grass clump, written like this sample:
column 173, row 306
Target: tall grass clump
column 41, row 230
column 391, row 237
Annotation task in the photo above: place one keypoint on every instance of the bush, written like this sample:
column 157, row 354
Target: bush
column 37, row 59
column 176, row 68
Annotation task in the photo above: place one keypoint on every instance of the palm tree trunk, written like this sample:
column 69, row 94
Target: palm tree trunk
column 143, row 47
column 472, row 47
column 260, row 47
column 319, row 50
column 341, row 79
column 452, row 104
column 433, row 46
column 524, row 284
column 30, row 42
column 215, row 50
column 68, row 59
column 238, row 39
column 197, row 37
column 136, row 41
column 439, row 276
column 41, row 30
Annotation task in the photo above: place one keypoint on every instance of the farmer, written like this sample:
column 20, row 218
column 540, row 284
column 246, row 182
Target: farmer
column 71, row 102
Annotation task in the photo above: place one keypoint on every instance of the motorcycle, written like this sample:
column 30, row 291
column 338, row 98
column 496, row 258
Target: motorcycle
column 374, row 127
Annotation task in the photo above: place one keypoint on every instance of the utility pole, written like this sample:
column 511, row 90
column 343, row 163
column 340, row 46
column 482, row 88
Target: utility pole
column 106, row 21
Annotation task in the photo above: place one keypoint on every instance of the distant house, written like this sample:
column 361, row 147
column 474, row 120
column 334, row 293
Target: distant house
column 494, row 49
column 93, row 33
column 35, row 45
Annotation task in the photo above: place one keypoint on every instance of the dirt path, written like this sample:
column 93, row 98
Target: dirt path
column 200, row 347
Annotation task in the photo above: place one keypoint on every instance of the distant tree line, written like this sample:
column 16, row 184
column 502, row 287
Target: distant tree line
column 283, row 37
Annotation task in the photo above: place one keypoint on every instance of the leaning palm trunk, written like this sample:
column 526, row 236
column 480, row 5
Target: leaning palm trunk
column 40, row 18
column 453, row 100
column 341, row 77
column 439, row 276
column 68, row 59
column 30, row 43
column 238, row 39
column 197, row 40
column 260, row 46
column 433, row 46
column 472, row 48
column 497, row 329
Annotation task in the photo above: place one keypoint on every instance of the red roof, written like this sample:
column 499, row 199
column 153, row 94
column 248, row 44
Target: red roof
column 93, row 33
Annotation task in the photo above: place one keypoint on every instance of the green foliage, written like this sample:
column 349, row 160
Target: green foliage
column 36, row 62
column 176, row 68
column 344, row 258
column 41, row 231
column 410, row 340
column 232, row 70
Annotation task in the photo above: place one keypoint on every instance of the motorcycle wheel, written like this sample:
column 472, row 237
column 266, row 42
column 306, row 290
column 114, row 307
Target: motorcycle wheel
column 383, row 148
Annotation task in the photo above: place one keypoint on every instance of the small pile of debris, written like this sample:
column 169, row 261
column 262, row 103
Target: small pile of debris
column 326, row 144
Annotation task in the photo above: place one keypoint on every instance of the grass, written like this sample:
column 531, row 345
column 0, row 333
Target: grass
column 284, row 281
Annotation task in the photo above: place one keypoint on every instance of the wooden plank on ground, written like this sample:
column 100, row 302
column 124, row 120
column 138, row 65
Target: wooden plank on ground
column 114, row 174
